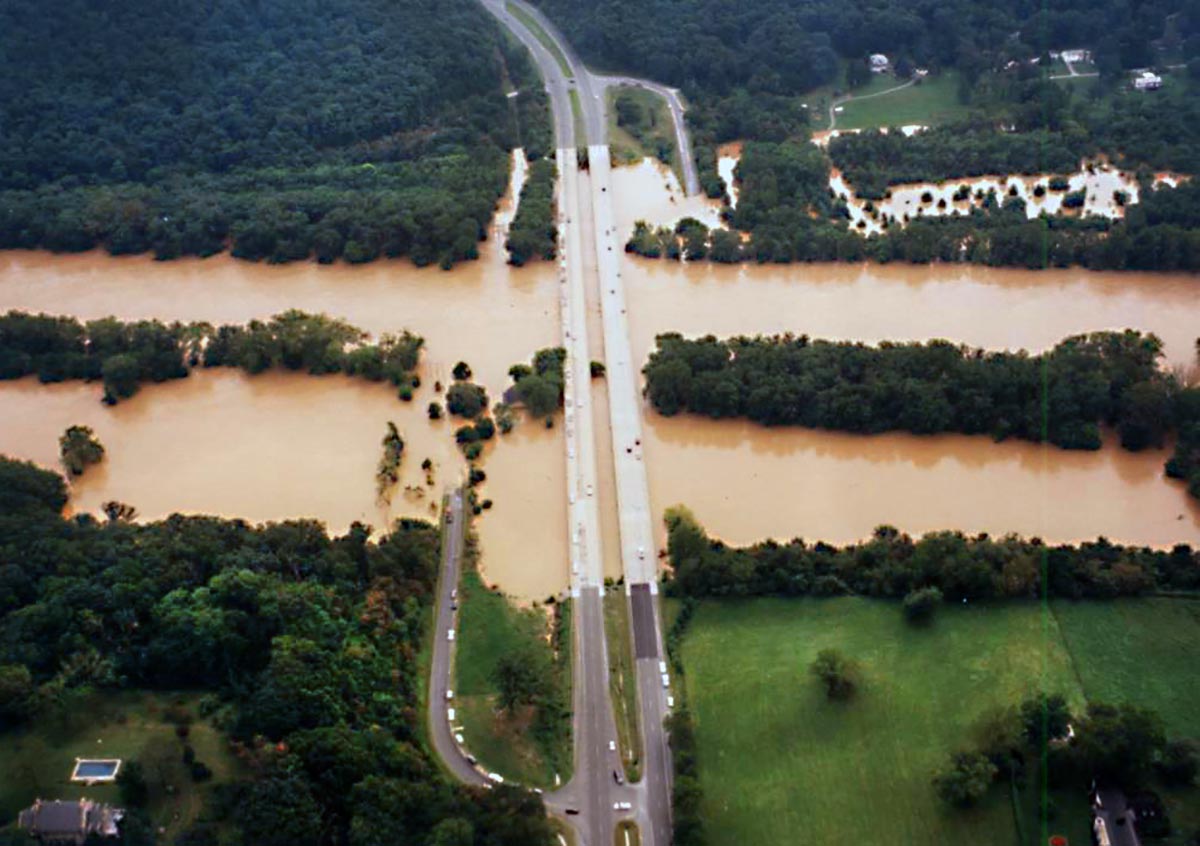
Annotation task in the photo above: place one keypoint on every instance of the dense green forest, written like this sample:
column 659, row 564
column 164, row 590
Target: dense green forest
column 1064, row 396
column 309, row 643
column 345, row 129
column 126, row 355
column 892, row 564
column 742, row 63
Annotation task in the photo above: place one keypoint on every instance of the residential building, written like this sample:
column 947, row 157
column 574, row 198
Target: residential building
column 59, row 823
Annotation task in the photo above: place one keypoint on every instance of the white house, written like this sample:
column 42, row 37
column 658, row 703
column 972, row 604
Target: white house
column 1147, row 81
column 879, row 63
column 1076, row 55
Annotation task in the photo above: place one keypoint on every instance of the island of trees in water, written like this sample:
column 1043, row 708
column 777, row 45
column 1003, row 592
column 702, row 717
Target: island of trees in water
column 353, row 129
column 307, row 646
column 126, row 355
column 1064, row 396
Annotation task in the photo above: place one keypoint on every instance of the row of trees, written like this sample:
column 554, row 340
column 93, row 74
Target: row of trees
column 311, row 641
column 787, row 209
column 126, row 355
column 893, row 565
column 1063, row 396
column 533, row 232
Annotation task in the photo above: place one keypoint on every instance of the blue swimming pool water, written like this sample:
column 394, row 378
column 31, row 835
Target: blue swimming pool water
column 95, row 769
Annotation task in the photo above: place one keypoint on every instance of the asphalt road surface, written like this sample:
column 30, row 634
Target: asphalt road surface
column 691, row 182
column 589, row 259
column 441, row 729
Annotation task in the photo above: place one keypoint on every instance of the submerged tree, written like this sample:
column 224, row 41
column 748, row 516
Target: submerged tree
column 388, row 472
column 80, row 449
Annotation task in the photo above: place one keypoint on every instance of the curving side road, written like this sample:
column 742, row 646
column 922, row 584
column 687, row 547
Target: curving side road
column 691, row 181
column 441, row 732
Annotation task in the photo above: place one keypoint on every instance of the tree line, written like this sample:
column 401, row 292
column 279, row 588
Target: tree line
column 1063, row 396
column 533, row 232
column 307, row 643
column 245, row 141
column 126, row 355
column 790, row 213
column 892, row 565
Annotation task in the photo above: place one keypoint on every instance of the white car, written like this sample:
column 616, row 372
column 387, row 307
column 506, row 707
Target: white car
column 666, row 680
column 589, row 490
column 449, row 695
column 496, row 777
column 662, row 667
column 642, row 553
column 450, row 634
column 612, row 746
column 458, row 737
column 450, row 714
column 622, row 806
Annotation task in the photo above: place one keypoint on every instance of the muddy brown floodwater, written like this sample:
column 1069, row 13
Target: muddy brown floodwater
column 287, row 445
column 745, row 482
column 278, row 446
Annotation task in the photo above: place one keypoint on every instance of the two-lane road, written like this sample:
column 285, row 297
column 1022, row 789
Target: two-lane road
column 441, row 730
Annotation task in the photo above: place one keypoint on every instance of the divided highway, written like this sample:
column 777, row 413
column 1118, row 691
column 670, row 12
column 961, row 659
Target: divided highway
column 597, row 797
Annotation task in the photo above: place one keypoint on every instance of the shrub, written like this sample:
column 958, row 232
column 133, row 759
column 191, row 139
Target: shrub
column 965, row 780
column 920, row 605
column 837, row 673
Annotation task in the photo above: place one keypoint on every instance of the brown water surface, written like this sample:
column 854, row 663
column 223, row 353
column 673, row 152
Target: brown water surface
column 746, row 482
column 279, row 446
column 266, row 447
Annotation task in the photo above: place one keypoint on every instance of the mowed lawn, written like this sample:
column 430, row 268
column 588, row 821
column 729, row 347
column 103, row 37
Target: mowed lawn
column 1143, row 651
column 932, row 101
column 781, row 764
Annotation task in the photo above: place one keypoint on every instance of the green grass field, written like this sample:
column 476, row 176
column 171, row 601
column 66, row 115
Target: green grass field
column 777, row 758
column 622, row 681
column 1138, row 650
column 37, row 762
column 490, row 626
column 654, row 136
column 932, row 101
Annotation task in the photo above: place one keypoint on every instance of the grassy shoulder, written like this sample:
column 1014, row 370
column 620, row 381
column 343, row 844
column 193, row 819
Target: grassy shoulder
column 627, row 834
column 530, row 744
column 131, row 725
column 639, row 125
column 927, row 102
column 622, row 680
column 777, row 757
column 541, row 35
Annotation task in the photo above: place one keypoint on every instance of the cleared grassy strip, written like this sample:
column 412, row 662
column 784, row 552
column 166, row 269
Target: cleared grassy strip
column 489, row 627
column 639, row 125
column 776, row 757
column 622, row 681
column 627, row 834
column 931, row 101
column 37, row 761
column 581, row 139
column 541, row 35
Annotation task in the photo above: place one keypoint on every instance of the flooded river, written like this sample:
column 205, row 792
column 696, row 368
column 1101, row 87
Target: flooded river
column 279, row 446
column 286, row 445
column 745, row 482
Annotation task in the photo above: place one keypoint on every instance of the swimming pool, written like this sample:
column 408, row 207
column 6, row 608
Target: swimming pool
column 95, row 769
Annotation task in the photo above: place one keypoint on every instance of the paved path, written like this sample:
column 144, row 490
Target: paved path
column 691, row 181
column 441, row 730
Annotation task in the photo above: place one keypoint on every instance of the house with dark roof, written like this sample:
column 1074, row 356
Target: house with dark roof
column 59, row 823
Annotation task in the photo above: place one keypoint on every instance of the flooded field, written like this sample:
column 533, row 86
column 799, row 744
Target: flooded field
column 264, row 447
column 745, row 482
column 286, row 445
column 281, row 446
